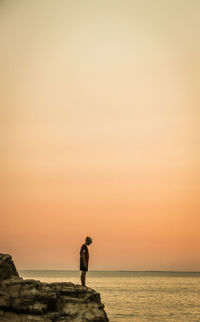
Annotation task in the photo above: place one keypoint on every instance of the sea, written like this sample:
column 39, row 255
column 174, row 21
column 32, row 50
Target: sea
column 137, row 296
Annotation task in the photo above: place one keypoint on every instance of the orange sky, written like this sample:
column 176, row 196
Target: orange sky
column 100, row 133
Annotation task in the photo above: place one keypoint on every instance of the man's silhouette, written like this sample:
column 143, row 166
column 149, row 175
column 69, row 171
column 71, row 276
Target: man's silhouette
column 84, row 259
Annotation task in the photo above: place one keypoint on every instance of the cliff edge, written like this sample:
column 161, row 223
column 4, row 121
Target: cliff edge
column 31, row 300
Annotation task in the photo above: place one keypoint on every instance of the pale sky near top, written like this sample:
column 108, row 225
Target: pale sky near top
column 100, row 111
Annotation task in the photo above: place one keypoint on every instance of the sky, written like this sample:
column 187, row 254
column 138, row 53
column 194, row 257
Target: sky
column 99, row 122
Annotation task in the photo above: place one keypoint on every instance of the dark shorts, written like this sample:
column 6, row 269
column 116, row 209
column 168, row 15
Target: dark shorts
column 83, row 268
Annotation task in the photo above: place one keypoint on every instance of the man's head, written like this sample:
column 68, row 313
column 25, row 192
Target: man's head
column 88, row 240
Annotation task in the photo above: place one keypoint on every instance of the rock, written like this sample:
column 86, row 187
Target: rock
column 7, row 267
column 31, row 300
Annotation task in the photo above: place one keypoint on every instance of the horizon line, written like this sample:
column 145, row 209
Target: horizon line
column 136, row 271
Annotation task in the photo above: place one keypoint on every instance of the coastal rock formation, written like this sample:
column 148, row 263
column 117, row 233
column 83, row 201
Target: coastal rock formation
column 7, row 267
column 31, row 300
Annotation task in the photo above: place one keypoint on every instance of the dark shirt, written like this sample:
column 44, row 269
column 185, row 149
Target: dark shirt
column 84, row 250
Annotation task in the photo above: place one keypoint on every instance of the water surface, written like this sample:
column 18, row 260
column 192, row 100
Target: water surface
column 138, row 296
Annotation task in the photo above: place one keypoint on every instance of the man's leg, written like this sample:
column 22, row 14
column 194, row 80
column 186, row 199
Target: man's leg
column 83, row 273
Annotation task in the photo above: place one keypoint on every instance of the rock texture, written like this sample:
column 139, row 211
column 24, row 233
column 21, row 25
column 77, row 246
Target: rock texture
column 30, row 300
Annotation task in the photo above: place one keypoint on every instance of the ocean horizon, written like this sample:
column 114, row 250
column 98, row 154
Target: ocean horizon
column 112, row 270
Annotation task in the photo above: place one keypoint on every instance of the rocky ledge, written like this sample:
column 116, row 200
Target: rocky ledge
column 31, row 300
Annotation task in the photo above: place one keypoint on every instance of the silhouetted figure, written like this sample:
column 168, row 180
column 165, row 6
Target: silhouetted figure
column 84, row 259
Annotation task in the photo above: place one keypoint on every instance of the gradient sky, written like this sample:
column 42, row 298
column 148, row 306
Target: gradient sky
column 100, row 114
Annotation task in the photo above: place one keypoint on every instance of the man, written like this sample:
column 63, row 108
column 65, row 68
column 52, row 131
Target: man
column 84, row 259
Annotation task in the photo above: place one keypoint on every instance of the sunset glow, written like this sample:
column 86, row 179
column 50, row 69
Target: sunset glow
column 100, row 133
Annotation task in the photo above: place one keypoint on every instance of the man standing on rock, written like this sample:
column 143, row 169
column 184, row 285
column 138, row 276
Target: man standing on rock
column 84, row 259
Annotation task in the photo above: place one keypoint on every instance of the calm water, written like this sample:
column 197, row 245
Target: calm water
column 138, row 296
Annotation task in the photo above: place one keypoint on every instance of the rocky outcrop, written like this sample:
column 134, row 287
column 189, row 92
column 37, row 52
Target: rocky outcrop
column 7, row 267
column 31, row 300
